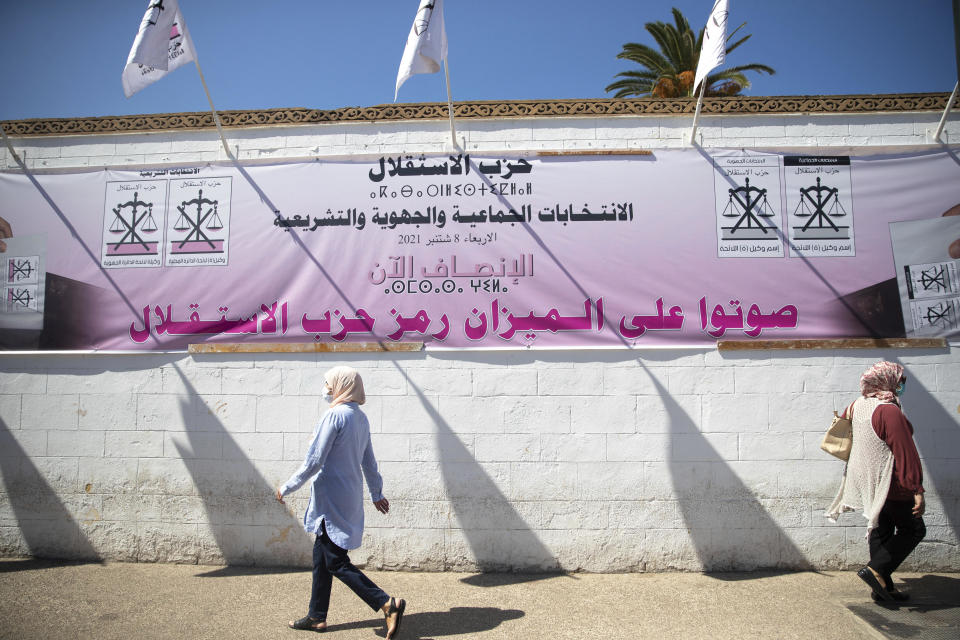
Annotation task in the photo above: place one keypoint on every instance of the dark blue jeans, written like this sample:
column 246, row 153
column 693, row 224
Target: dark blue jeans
column 330, row 560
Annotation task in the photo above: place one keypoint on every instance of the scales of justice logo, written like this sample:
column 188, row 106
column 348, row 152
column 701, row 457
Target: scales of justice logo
column 176, row 41
column 942, row 315
column 20, row 299
column 21, row 281
column 134, row 224
column 199, row 226
column 821, row 204
column 749, row 205
column 422, row 22
column 152, row 17
column 934, row 280
column 20, row 270
column 153, row 11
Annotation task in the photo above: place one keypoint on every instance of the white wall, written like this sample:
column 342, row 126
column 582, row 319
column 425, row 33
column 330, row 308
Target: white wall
column 593, row 460
column 518, row 134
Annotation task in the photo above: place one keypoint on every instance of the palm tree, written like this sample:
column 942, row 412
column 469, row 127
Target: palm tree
column 669, row 73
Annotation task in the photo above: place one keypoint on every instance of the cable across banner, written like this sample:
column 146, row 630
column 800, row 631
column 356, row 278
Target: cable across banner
column 680, row 247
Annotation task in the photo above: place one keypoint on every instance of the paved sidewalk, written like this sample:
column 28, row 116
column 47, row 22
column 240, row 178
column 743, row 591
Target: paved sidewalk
column 40, row 599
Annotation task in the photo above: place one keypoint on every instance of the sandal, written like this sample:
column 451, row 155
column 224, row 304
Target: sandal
column 307, row 623
column 396, row 609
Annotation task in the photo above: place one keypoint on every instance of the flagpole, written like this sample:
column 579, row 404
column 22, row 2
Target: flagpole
column 956, row 44
column 203, row 81
column 453, row 131
column 216, row 118
column 696, row 115
column 946, row 112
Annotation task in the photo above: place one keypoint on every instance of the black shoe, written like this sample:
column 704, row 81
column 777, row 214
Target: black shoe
column 879, row 593
column 898, row 595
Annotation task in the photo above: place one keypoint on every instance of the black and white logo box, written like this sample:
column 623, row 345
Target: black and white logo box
column 819, row 206
column 748, row 206
column 132, row 236
column 198, row 223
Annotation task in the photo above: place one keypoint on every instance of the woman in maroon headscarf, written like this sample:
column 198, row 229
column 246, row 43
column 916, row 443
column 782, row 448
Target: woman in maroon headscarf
column 883, row 478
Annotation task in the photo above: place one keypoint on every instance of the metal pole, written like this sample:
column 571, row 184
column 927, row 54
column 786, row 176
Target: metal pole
column 216, row 118
column 196, row 61
column 453, row 131
column 696, row 115
column 946, row 112
column 956, row 34
column 953, row 96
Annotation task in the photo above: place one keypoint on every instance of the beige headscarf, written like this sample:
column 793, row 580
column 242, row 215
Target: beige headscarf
column 881, row 381
column 345, row 385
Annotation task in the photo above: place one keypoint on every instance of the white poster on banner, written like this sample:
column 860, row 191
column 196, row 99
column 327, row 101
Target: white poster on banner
column 747, row 190
column 927, row 276
column 198, row 231
column 131, row 235
column 819, row 206
column 24, row 278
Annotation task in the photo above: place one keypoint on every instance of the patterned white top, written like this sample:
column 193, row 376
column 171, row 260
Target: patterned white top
column 866, row 478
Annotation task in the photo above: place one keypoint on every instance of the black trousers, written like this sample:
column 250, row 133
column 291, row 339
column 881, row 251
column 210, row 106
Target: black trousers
column 330, row 560
column 898, row 532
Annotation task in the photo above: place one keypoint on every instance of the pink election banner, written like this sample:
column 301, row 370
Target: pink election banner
column 680, row 247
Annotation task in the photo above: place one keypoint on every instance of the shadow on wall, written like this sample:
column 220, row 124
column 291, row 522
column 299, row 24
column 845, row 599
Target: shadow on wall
column 46, row 526
column 248, row 526
column 498, row 537
column 729, row 527
column 709, row 493
column 936, row 432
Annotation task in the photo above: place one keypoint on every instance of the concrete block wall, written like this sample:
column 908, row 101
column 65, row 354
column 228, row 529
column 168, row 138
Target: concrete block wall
column 585, row 460
column 518, row 135
column 596, row 460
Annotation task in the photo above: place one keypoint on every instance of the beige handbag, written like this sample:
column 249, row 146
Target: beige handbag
column 839, row 437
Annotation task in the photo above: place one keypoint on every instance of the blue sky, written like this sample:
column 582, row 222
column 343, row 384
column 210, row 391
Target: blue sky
column 63, row 58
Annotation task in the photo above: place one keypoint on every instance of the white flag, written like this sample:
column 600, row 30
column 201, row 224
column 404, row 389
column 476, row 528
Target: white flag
column 714, row 49
column 162, row 45
column 426, row 44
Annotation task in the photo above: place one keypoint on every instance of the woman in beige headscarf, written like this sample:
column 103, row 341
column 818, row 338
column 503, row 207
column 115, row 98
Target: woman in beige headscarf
column 340, row 452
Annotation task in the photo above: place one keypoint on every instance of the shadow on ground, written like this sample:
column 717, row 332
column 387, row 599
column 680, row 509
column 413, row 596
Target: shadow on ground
column 37, row 564
column 933, row 611
column 929, row 593
column 431, row 624
column 504, row 579
column 239, row 572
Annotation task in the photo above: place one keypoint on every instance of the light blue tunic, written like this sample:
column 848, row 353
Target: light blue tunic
column 340, row 450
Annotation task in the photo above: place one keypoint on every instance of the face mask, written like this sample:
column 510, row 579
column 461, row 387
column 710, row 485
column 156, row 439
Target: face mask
column 327, row 397
column 900, row 388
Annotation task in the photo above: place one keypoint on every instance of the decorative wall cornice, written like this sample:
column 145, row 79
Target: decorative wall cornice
column 602, row 107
